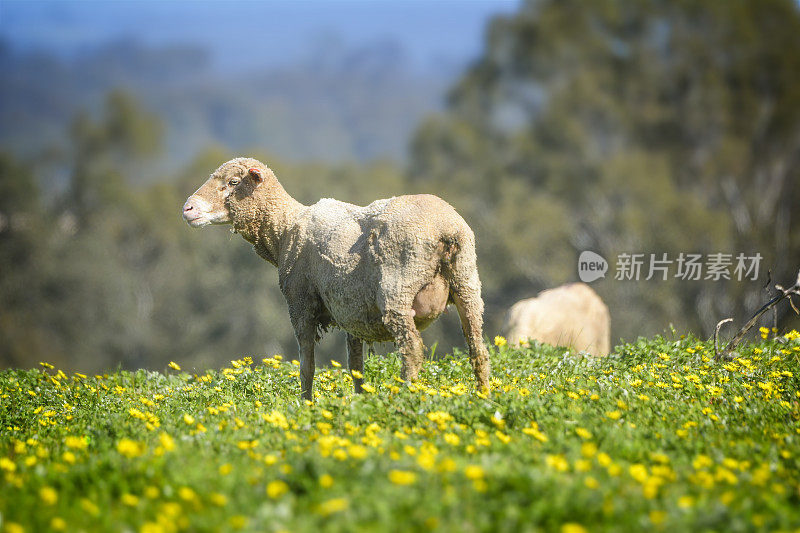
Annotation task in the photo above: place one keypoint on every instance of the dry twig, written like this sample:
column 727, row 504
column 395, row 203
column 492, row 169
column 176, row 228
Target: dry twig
column 794, row 290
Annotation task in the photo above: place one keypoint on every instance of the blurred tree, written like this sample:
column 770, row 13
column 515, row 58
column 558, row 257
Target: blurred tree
column 21, row 229
column 643, row 126
column 109, row 274
column 105, row 151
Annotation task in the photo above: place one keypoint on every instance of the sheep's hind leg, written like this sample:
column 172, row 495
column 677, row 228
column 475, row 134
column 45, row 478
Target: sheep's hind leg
column 355, row 360
column 466, row 292
column 408, row 340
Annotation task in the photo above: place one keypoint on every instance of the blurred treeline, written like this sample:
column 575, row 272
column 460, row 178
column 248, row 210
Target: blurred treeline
column 618, row 127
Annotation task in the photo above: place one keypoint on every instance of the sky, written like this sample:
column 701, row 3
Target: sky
column 241, row 34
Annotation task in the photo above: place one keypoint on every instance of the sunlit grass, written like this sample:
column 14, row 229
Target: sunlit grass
column 656, row 435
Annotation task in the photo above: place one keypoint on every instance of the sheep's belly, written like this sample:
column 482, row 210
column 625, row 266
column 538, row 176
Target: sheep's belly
column 366, row 321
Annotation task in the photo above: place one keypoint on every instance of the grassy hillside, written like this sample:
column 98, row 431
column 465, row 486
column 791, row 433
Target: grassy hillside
column 657, row 435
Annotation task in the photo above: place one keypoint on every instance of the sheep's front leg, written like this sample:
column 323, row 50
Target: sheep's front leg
column 304, row 308
column 408, row 340
column 305, row 331
column 307, row 366
column 355, row 360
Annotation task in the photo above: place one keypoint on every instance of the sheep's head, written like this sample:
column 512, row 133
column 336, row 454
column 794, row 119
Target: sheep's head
column 222, row 195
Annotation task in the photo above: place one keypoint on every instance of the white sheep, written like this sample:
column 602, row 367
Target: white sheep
column 571, row 315
column 381, row 272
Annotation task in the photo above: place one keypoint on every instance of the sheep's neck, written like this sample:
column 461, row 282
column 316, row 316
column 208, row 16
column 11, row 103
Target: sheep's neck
column 267, row 222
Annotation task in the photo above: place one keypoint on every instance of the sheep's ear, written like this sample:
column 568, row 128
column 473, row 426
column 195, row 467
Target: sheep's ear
column 256, row 174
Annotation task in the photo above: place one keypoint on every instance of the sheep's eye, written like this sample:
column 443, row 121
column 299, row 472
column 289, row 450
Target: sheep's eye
column 233, row 182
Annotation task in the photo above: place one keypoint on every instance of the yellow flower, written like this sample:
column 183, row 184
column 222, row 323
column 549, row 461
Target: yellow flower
column 534, row 432
column 48, row 495
column 583, row 433
column 572, row 527
column 225, row 469
column 238, row 521
column 452, row 439
column 402, row 477
column 659, row 458
column 614, row 415
column 333, row 505
column 277, row 419
column 336, row 364
column 58, row 524
column 638, row 472
column 167, row 442
column 186, row 494
column 474, row 472
column 220, row 500
column 702, row 461
column 326, row 481
column 356, row 374
column 441, row 418
column 591, row 483
column 13, row 527
column 657, row 517
column 130, row 500
column 368, row 388
column 188, row 420
column 90, row 507
column 357, row 451
column 588, row 449
column 276, row 489
column 650, row 487
column 130, row 448
column 500, row 341
column 684, row 502
column 7, row 464
column 79, row 443
column 174, row 366
column 447, row 465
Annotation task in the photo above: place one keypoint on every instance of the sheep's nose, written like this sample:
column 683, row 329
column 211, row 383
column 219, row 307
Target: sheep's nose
column 190, row 212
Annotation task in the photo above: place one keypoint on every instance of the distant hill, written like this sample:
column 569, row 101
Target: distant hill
column 338, row 104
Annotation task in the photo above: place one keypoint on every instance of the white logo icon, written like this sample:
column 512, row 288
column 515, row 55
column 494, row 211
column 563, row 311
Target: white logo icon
column 591, row 266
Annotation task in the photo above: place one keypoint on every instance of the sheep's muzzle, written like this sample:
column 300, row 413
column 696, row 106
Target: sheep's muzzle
column 197, row 212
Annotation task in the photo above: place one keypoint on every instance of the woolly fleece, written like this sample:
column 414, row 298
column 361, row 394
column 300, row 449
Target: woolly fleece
column 571, row 315
column 381, row 272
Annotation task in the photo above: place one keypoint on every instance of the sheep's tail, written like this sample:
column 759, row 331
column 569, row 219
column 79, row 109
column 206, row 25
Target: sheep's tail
column 457, row 260
column 460, row 269
column 457, row 246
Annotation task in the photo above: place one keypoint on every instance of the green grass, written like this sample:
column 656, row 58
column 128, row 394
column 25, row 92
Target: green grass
column 656, row 436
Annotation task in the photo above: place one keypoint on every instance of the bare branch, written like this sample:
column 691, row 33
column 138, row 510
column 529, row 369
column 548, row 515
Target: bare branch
column 716, row 335
column 782, row 293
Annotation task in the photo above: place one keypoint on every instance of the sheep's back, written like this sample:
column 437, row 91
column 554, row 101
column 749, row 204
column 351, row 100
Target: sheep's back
column 353, row 255
column 572, row 315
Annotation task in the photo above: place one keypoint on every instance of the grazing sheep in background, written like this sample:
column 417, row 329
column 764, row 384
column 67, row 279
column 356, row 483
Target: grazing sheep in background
column 571, row 315
column 381, row 272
